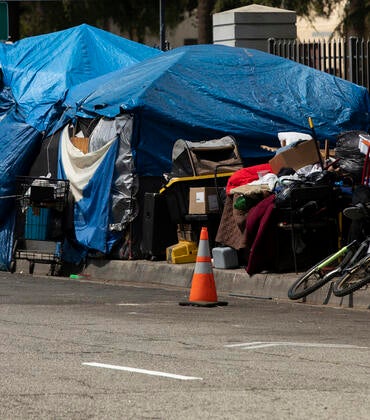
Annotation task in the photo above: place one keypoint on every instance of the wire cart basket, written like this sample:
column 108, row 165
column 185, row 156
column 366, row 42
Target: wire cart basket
column 40, row 212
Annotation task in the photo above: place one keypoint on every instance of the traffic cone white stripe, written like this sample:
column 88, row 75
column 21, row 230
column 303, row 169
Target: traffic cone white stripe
column 202, row 268
column 203, row 248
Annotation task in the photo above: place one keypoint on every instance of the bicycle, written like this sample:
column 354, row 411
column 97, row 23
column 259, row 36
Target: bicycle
column 350, row 260
column 354, row 278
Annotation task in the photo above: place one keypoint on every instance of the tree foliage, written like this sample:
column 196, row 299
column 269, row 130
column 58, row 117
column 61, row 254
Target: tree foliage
column 138, row 18
column 134, row 17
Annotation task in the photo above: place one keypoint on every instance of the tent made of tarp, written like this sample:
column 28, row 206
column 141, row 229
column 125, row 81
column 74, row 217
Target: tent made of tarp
column 40, row 69
column 35, row 75
column 207, row 91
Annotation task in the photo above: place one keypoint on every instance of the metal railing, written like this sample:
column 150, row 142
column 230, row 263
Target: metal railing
column 345, row 58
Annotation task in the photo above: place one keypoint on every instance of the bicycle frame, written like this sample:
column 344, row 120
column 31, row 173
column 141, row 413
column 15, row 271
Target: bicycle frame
column 344, row 263
column 348, row 262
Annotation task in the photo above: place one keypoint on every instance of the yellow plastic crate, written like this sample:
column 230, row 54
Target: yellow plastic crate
column 182, row 252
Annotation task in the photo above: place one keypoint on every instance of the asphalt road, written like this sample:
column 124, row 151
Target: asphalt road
column 78, row 350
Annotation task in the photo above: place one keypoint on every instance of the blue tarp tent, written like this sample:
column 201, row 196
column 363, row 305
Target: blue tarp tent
column 40, row 69
column 195, row 93
column 206, row 91
column 36, row 73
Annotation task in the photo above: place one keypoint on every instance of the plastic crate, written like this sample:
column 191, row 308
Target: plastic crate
column 37, row 223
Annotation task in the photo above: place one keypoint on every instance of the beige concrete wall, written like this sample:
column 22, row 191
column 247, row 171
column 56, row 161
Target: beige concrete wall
column 186, row 31
column 319, row 27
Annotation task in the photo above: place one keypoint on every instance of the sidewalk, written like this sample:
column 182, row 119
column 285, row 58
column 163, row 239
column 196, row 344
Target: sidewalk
column 228, row 282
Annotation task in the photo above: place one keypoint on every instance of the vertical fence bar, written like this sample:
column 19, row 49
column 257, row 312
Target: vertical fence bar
column 329, row 68
column 314, row 54
column 335, row 58
column 278, row 47
column 346, row 59
column 307, row 53
column 296, row 51
column 291, row 49
column 353, row 62
column 362, row 62
column 271, row 46
column 284, row 49
column 319, row 55
column 367, row 65
column 340, row 59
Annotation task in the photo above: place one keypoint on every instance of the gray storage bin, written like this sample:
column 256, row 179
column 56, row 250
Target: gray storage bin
column 225, row 257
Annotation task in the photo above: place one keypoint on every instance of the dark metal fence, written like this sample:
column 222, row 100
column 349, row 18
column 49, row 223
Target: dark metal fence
column 348, row 59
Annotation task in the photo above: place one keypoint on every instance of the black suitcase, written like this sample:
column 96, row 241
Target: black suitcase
column 158, row 231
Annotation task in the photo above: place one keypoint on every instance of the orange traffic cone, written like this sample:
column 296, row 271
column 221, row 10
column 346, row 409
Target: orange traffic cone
column 203, row 288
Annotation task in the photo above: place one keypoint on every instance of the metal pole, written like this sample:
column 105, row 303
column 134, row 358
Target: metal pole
column 162, row 24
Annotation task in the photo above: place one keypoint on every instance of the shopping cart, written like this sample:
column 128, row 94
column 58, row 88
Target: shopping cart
column 39, row 232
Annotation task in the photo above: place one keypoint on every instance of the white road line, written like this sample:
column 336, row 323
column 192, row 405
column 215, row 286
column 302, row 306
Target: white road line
column 147, row 372
column 246, row 344
column 262, row 344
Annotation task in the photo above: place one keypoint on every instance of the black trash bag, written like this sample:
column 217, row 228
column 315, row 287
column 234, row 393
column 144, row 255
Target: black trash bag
column 321, row 178
column 283, row 194
column 347, row 150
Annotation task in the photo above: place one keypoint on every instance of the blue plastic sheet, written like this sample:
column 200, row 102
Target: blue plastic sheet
column 92, row 211
column 40, row 69
column 208, row 91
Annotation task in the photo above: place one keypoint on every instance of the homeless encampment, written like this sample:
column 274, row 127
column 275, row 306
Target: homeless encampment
column 205, row 92
column 36, row 73
column 193, row 93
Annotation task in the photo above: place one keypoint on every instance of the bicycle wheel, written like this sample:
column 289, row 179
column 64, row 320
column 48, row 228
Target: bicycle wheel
column 315, row 277
column 356, row 277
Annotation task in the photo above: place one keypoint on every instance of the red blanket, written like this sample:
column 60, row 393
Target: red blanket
column 245, row 176
column 260, row 231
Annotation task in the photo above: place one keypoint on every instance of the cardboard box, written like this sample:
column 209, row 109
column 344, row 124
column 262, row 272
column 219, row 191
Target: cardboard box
column 296, row 156
column 203, row 200
column 82, row 143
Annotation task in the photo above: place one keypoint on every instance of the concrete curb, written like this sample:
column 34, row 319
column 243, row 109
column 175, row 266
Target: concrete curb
column 232, row 282
column 228, row 282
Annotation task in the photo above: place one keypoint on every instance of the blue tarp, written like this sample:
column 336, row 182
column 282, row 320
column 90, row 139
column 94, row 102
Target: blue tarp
column 208, row 91
column 40, row 69
column 36, row 73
